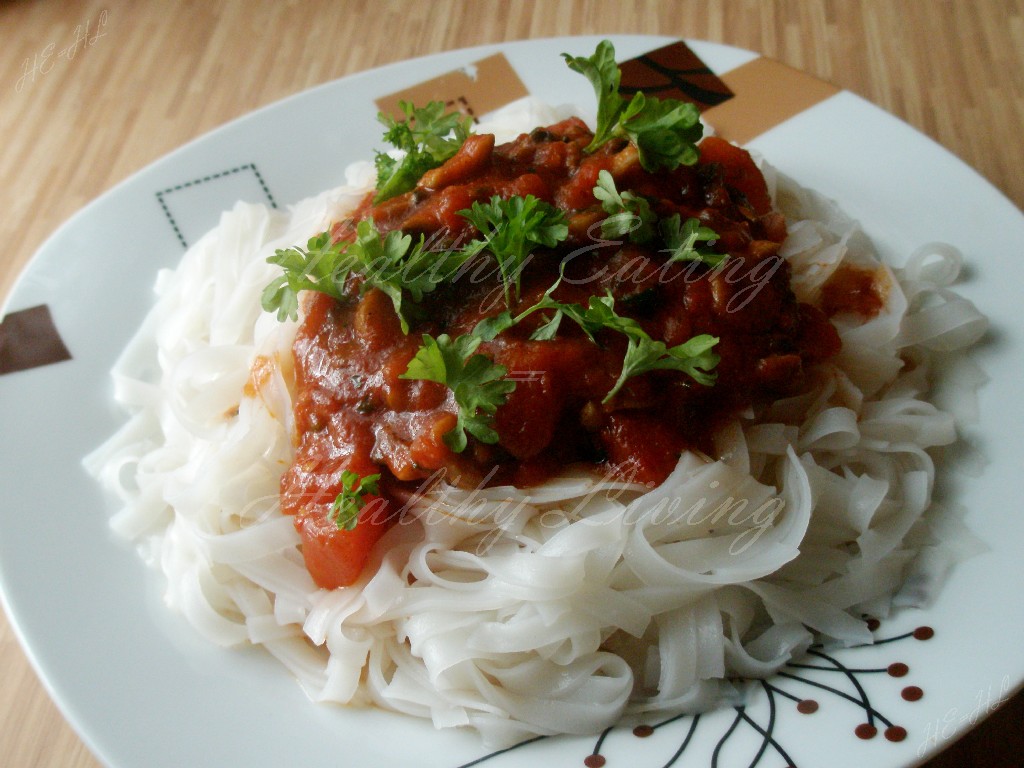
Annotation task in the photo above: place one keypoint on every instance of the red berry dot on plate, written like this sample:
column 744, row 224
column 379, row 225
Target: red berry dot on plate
column 807, row 707
column 873, row 624
column 643, row 731
column 912, row 693
column 898, row 669
column 895, row 733
column 594, row 761
column 924, row 633
column 865, row 731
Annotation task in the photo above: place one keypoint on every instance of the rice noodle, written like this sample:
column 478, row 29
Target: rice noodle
column 556, row 609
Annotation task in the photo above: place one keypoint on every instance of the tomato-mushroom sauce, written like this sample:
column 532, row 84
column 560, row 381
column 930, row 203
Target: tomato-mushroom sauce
column 355, row 409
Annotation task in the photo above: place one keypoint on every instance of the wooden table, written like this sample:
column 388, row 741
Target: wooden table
column 90, row 92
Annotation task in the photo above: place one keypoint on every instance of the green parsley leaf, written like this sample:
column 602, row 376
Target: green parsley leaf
column 600, row 313
column 320, row 266
column 629, row 214
column 381, row 261
column 681, row 241
column 489, row 328
column 477, row 382
column 347, row 506
column 392, row 263
column 693, row 357
column 604, row 75
column 511, row 229
column 643, row 354
column 665, row 132
column 395, row 265
column 428, row 136
column 549, row 329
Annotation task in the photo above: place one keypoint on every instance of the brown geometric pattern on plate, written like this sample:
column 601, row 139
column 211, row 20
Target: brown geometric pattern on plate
column 768, row 93
column 673, row 72
column 474, row 90
column 29, row 339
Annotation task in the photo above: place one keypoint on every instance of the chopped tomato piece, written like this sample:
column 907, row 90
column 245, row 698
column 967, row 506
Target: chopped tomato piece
column 741, row 173
column 334, row 556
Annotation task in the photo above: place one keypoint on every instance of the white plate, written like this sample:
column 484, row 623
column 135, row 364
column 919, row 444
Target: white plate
column 143, row 690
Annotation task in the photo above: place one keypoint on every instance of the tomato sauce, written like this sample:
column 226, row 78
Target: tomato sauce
column 354, row 411
column 854, row 289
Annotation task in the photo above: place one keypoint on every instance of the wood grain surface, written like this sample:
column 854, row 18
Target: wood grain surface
column 91, row 92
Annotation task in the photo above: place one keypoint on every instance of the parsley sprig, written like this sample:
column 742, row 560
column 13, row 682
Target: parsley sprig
column 693, row 357
column 629, row 214
column 477, row 382
column 511, row 230
column 665, row 132
column 598, row 314
column 393, row 263
column 396, row 265
column 428, row 136
column 350, row 502
column 682, row 240
column 321, row 266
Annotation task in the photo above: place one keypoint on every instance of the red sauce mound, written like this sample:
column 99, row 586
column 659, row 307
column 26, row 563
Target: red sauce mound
column 353, row 411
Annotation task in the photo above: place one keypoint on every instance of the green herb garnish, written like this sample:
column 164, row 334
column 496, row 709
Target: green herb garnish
column 320, row 266
column 393, row 263
column 643, row 354
column 693, row 357
column 665, row 132
column 347, row 506
column 682, row 240
column 477, row 382
column 428, row 136
column 396, row 265
column 489, row 328
column 629, row 214
column 511, row 229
